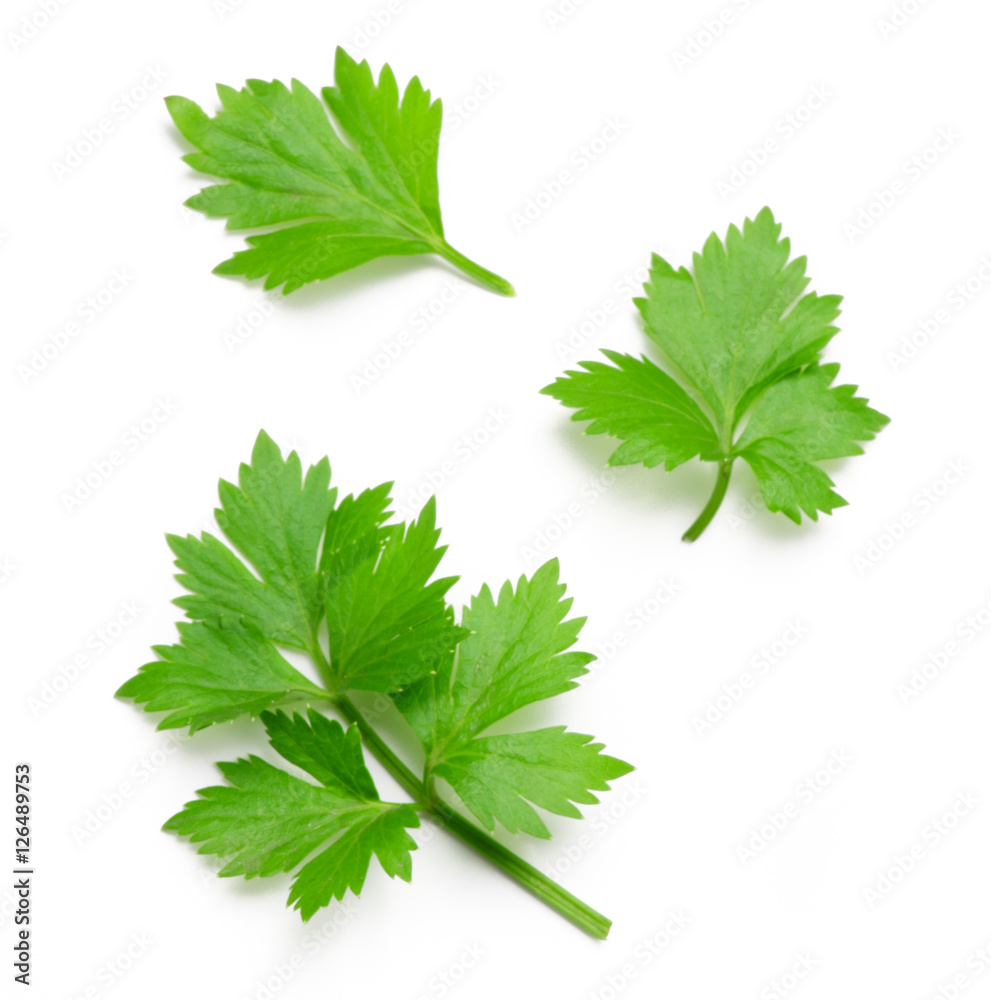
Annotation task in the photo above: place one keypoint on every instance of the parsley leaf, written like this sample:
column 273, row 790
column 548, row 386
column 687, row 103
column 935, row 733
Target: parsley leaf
column 266, row 821
column 497, row 776
column 387, row 621
column 348, row 199
column 388, row 624
column 340, row 582
column 745, row 340
column 276, row 519
column 515, row 654
column 218, row 672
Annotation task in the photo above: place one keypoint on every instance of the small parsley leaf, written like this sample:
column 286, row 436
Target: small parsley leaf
column 219, row 671
column 275, row 518
column 388, row 624
column 745, row 339
column 517, row 653
column 498, row 776
column 266, row 821
column 343, row 199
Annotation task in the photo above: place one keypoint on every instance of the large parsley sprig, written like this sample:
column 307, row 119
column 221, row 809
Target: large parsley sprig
column 341, row 199
column 334, row 578
column 745, row 341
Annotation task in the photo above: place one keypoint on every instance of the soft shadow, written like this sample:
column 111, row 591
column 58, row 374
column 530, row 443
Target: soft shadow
column 688, row 486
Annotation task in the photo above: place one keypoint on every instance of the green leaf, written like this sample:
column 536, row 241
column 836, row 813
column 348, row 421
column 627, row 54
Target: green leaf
column 266, row 821
column 344, row 864
column 276, row 519
column 357, row 595
column 219, row 671
column 518, row 652
column 800, row 420
column 732, row 330
column 496, row 776
column 347, row 199
column 312, row 563
column 638, row 402
column 388, row 624
column 355, row 533
column 320, row 747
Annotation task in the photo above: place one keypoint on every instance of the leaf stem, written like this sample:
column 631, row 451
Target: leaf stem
column 533, row 880
column 481, row 274
column 412, row 785
column 580, row 914
column 718, row 492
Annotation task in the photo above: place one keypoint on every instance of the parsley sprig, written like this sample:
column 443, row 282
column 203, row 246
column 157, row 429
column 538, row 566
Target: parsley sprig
column 337, row 580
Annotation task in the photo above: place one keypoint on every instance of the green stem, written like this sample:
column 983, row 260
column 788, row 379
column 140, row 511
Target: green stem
column 718, row 492
column 481, row 274
column 579, row 913
column 412, row 785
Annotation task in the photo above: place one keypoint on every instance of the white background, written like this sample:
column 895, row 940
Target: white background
column 667, row 838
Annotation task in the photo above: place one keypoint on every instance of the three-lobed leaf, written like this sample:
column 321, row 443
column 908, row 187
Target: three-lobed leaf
column 744, row 339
